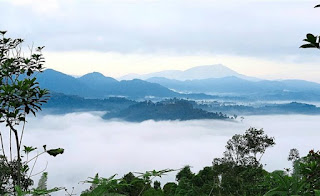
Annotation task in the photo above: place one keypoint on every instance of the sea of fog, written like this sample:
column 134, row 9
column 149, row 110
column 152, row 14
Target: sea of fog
column 93, row 145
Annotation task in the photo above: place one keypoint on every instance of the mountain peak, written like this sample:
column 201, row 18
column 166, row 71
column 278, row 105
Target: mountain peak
column 93, row 75
column 215, row 66
column 209, row 71
column 194, row 73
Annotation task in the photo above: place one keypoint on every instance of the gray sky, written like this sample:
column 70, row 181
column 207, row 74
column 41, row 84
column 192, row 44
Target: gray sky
column 116, row 37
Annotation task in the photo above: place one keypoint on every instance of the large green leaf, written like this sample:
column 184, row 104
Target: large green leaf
column 55, row 152
column 311, row 38
column 308, row 46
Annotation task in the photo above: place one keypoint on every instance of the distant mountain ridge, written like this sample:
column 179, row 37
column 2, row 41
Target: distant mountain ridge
column 234, row 85
column 195, row 73
column 96, row 85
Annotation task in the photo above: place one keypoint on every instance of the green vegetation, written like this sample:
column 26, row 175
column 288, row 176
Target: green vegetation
column 313, row 41
column 129, row 110
column 20, row 95
column 238, row 172
column 171, row 109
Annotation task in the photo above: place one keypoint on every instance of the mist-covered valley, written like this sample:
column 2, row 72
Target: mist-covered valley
column 142, row 125
column 94, row 145
column 159, row 98
column 98, row 125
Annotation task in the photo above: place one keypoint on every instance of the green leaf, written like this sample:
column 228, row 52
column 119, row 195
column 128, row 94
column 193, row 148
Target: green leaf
column 311, row 38
column 28, row 149
column 308, row 46
column 45, row 192
column 3, row 32
column 55, row 152
column 19, row 191
column 317, row 6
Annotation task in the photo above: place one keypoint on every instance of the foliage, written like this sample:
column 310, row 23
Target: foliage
column 172, row 109
column 313, row 41
column 247, row 149
column 127, row 185
column 285, row 184
column 20, row 95
column 225, row 177
column 294, row 155
column 42, row 184
column 309, row 169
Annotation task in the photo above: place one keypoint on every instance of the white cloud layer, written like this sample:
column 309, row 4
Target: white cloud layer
column 93, row 145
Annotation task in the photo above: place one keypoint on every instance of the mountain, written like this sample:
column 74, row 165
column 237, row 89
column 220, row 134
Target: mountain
column 195, row 73
column 97, row 80
column 260, row 109
column 169, row 109
column 96, row 85
column 59, row 82
column 173, row 109
column 263, row 90
column 61, row 103
column 232, row 85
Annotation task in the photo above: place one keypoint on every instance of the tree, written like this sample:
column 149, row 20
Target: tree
column 309, row 169
column 240, row 171
column 185, row 173
column 20, row 95
column 170, row 188
column 248, row 149
column 293, row 155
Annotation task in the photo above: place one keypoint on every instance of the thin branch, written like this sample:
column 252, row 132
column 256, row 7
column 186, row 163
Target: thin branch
column 33, row 165
column 10, row 145
column 261, row 155
column 3, row 150
column 70, row 194
column 40, row 171
column 35, row 157
column 24, row 123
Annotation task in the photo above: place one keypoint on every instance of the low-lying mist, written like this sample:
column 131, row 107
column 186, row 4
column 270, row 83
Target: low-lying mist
column 93, row 145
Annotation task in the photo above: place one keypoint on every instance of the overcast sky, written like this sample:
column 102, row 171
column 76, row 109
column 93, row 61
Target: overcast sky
column 116, row 37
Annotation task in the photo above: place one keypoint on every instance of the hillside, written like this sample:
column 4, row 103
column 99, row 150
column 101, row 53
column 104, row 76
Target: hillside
column 256, row 90
column 173, row 109
column 96, row 85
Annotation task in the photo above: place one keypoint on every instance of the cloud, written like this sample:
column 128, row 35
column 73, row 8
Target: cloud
column 86, row 36
column 186, row 27
column 93, row 145
column 39, row 6
column 118, row 64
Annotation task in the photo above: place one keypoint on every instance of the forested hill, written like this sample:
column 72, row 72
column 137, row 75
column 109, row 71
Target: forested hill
column 61, row 103
column 128, row 110
column 169, row 109
column 173, row 109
